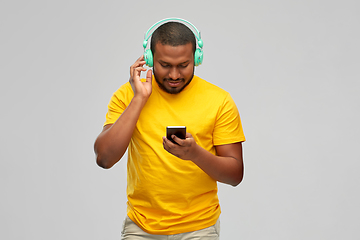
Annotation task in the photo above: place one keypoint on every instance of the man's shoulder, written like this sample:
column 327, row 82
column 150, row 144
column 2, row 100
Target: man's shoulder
column 124, row 89
column 209, row 87
column 123, row 94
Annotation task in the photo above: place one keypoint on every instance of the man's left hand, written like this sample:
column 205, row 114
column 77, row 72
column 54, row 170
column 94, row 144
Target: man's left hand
column 186, row 149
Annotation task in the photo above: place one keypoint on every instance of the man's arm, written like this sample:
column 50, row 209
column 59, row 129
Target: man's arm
column 226, row 167
column 114, row 139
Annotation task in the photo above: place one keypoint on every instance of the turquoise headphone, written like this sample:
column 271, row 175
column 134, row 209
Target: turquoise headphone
column 198, row 56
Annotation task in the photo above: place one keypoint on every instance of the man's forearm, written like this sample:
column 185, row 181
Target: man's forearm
column 113, row 141
column 225, row 169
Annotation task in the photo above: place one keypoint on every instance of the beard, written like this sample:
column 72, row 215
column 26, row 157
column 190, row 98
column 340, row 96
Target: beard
column 173, row 90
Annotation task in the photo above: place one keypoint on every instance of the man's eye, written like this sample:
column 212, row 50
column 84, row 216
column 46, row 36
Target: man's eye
column 165, row 65
column 184, row 66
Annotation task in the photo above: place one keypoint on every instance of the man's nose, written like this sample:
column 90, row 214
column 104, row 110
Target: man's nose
column 174, row 73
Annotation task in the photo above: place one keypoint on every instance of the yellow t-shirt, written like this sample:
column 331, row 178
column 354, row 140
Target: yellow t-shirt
column 168, row 195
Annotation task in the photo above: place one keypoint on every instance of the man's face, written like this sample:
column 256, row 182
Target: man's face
column 173, row 67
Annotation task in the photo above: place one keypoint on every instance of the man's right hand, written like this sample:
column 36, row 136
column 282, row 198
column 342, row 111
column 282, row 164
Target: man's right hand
column 141, row 90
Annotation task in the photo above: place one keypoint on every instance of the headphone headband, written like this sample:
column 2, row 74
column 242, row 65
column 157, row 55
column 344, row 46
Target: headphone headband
column 196, row 32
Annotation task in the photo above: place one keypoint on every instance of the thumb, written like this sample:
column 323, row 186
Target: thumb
column 149, row 76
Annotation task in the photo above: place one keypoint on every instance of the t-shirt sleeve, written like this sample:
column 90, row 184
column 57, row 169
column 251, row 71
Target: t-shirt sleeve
column 118, row 103
column 228, row 128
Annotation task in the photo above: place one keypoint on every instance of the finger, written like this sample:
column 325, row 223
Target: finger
column 149, row 76
column 135, row 76
column 165, row 143
column 188, row 135
column 169, row 144
column 138, row 70
column 139, row 62
column 177, row 140
column 141, row 57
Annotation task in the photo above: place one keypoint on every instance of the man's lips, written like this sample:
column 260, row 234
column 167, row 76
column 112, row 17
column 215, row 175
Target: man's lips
column 174, row 84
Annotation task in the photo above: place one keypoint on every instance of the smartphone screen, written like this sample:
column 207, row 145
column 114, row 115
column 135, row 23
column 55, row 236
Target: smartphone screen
column 179, row 131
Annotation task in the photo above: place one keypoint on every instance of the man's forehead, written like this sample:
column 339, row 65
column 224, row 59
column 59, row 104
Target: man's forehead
column 173, row 51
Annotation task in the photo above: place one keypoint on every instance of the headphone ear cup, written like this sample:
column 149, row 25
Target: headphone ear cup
column 198, row 57
column 148, row 57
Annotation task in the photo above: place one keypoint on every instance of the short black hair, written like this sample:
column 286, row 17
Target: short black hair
column 173, row 34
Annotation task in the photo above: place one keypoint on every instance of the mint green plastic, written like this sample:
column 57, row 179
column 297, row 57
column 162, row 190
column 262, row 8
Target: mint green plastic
column 198, row 56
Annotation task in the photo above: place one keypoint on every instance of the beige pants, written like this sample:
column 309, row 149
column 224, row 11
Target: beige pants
column 131, row 231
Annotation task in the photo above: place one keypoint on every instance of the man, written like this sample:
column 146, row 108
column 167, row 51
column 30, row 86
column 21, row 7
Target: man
column 172, row 188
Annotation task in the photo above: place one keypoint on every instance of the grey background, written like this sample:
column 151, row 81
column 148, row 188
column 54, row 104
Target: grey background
column 292, row 67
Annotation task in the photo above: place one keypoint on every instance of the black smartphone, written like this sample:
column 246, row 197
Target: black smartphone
column 179, row 131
